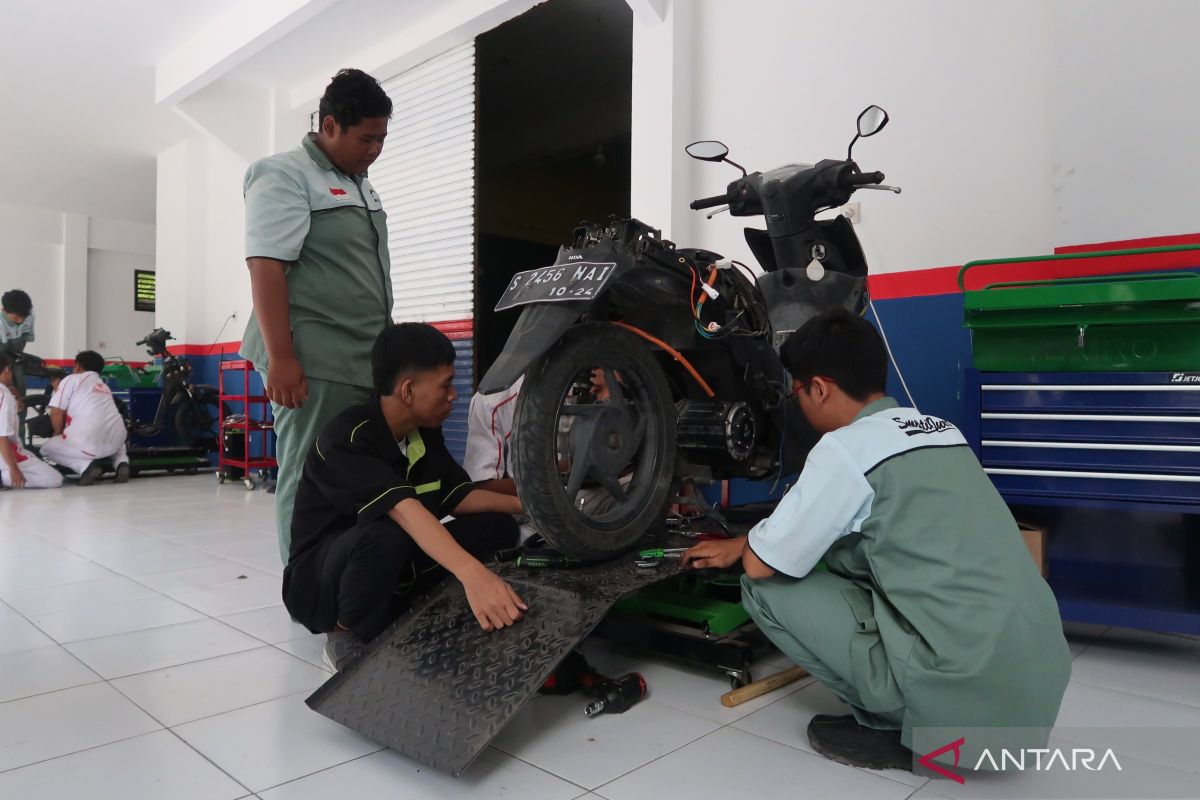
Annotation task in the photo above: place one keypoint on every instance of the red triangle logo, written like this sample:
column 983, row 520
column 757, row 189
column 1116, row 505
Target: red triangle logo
column 928, row 762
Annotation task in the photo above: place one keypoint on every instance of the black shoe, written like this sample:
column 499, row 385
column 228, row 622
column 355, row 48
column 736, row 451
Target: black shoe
column 90, row 474
column 843, row 740
column 122, row 475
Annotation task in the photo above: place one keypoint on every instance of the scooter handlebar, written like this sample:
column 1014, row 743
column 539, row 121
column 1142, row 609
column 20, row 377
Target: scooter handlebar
column 862, row 179
column 709, row 202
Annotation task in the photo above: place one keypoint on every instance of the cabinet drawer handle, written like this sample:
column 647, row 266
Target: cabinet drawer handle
column 1112, row 476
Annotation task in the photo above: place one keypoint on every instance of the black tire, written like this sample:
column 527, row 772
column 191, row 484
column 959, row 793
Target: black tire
column 633, row 433
column 197, row 421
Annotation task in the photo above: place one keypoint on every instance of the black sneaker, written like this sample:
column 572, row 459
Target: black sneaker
column 122, row 475
column 340, row 648
column 843, row 740
column 90, row 474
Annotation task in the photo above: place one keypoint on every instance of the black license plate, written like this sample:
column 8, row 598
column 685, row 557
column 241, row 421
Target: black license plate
column 582, row 280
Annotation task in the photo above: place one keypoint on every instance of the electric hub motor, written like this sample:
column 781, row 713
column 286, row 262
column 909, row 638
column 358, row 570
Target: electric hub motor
column 710, row 430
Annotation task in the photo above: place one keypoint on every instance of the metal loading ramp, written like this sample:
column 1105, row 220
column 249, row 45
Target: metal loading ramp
column 437, row 688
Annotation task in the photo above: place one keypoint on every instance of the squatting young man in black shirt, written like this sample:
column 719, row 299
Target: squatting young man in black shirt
column 366, row 536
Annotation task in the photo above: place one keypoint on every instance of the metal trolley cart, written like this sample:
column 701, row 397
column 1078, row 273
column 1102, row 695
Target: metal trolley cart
column 248, row 429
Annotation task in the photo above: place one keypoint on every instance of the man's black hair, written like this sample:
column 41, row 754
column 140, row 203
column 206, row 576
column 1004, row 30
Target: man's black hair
column 90, row 360
column 403, row 349
column 353, row 96
column 5, row 361
column 17, row 302
column 842, row 347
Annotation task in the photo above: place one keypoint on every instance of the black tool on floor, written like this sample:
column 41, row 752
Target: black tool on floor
column 609, row 695
column 617, row 695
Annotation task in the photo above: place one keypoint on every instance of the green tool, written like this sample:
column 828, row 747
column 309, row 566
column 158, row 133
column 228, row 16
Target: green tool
column 547, row 561
column 663, row 552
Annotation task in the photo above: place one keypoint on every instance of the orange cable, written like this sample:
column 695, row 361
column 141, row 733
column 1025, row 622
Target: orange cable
column 675, row 354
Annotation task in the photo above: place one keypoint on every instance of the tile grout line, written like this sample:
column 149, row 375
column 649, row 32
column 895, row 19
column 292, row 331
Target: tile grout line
column 189, row 744
column 862, row 770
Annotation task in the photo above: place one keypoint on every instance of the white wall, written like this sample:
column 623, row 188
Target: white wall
column 31, row 258
column 1015, row 127
column 964, row 83
column 201, row 267
column 72, row 266
column 112, row 323
column 1124, row 119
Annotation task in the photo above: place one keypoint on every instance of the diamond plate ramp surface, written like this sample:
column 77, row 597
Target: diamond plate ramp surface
column 437, row 688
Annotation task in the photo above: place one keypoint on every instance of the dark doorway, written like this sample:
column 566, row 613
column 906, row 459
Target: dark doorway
column 553, row 142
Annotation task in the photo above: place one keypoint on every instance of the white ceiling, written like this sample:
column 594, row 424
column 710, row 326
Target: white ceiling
column 82, row 129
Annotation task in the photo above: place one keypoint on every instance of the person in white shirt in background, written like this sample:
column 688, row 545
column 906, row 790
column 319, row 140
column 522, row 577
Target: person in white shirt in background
column 489, row 448
column 489, row 435
column 19, row 469
column 87, row 425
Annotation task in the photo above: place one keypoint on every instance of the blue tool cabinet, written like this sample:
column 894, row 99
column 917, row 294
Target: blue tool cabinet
column 1109, row 462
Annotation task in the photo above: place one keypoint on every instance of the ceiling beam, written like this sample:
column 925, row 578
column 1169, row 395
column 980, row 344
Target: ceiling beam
column 444, row 25
column 228, row 40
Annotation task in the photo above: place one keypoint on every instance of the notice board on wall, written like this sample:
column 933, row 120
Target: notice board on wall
column 144, row 291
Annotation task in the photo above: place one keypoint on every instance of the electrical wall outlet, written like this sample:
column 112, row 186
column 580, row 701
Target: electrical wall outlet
column 852, row 212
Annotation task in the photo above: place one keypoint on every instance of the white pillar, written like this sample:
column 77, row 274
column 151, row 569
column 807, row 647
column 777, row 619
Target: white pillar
column 662, row 105
column 74, row 284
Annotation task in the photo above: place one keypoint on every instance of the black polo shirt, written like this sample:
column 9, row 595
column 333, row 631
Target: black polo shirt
column 356, row 472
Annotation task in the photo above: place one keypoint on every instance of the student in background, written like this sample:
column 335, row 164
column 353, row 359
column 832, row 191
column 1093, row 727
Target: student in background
column 19, row 469
column 87, row 425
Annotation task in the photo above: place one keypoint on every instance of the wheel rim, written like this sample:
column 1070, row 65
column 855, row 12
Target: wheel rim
column 607, row 450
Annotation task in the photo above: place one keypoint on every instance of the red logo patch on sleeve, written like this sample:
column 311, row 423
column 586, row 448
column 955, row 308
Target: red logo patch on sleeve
column 336, row 192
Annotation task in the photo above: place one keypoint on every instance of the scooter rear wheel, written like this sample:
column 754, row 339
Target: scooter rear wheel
column 594, row 442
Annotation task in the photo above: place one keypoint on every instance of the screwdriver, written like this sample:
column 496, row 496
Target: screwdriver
column 663, row 552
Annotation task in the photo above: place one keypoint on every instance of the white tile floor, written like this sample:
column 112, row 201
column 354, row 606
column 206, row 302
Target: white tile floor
column 144, row 654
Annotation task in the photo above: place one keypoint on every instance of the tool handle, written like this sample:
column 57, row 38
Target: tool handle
column 761, row 687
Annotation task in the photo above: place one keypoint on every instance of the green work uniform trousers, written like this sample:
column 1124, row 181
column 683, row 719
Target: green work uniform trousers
column 295, row 431
column 822, row 622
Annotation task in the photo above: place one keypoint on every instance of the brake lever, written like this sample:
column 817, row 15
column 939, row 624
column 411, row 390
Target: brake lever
column 880, row 187
column 720, row 210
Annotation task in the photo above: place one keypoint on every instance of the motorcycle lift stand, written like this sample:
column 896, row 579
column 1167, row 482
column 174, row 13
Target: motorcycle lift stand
column 692, row 619
column 437, row 688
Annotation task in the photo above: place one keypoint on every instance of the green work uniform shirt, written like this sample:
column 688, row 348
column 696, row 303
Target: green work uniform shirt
column 331, row 230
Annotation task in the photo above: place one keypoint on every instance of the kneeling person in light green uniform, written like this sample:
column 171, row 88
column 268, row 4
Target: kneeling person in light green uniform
column 931, row 613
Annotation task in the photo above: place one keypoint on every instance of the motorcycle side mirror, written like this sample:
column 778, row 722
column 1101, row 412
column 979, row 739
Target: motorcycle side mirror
column 870, row 122
column 709, row 150
column 712, row 150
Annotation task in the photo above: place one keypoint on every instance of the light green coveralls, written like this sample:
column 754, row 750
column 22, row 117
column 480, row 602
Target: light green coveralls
column 932, row 617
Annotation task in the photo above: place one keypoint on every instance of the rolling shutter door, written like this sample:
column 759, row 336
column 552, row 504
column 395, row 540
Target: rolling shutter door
column 425, row 178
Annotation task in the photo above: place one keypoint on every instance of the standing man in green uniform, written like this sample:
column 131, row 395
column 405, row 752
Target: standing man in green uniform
column 931, row 614
column 317, row 250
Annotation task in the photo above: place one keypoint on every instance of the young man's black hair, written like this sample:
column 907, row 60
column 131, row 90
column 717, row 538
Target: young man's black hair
column 90, row 361
column 842, row 347
column 17, row 302
column 406, row 348
column 353, row 96
column 5, row 361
